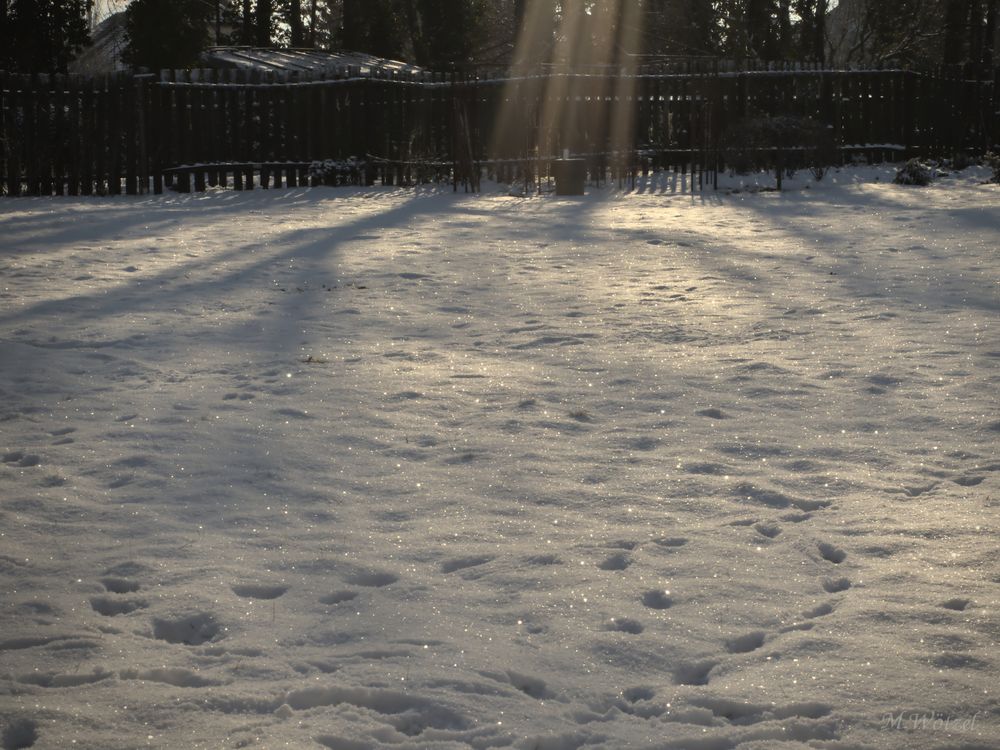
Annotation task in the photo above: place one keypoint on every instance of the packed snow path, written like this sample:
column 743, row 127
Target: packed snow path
column 408, row 469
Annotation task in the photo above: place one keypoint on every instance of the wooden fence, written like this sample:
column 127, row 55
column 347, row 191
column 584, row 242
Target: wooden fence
column 132, row 134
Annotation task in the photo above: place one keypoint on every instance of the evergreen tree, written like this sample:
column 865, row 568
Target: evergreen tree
column 377, row 27
column 246, row 24
column 446, row 31
column 165, row 33
column 42, row 36
column 699, row 28
column 263, row 19
column 811, row 42
column 294, row 13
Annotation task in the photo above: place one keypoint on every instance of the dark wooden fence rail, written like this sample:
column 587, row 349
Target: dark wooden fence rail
column 122, row 133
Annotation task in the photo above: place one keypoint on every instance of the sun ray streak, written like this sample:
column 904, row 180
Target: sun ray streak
column 572, row 86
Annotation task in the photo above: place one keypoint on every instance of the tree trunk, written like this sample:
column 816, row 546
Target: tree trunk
column 759, row 32
column 785, row 28
column 819, row 32
column 313, row 14
column 989, row 34
column 353, row 36
column 262, row 27
column 956, row 14
column 295, row 22
column 246, row 33
column 974, row 32
column 3, row 29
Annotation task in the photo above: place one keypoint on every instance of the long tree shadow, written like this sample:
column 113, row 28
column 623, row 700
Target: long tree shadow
column 196, row 280
column 867, row 272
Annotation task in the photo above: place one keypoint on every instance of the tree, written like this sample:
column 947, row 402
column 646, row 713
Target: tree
column 246, row 24
column 165, row 33
column 377, row 27
column 879, row 31
column 969, row 31
column 535, row 31
column 295, row 23
column 812, row 41
column 956, row 20
column 445, row 33
column 263, row 18
column 42, row 36
column 682, row 27
column 989, row 33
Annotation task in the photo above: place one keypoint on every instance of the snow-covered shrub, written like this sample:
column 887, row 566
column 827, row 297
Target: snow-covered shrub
column 992, row 161
column 914, row 172
column 349, row 171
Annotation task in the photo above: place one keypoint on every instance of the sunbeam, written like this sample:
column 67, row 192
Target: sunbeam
column 571, row 58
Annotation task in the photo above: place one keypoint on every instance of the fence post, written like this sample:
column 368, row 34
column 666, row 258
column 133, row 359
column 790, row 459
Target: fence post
column 142, row 133
column 59, row 134
column 47, row 144
column 29, row 95
column 116, row 129
column 907, row 116
column 11, row 133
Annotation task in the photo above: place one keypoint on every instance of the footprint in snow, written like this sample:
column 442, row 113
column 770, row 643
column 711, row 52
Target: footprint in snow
column 637, row 694
column 175, row 676
column 191, row 629
column 627, row 544
column 713, row 414
column 60, row 680
column 61, row 435
column 533, row 687
column 117, row 585
column 617, row 561
column 657, row 599
column 259, row 590
column 463, row 563
column 338, row 597
column 20, row 458
column 831, row 553
column 371, row 578
column 835, row 585
column 543, row 560
column 644, row 444
column 694, row 673
column 796, row 517
column 624, row 625
column 112, row 606
column 19, row 734
column 957, row 604
column 744, row 644
column 293, row 413
column 820, row 610
column 970, row 481
column 671, row 542
column 769, row 530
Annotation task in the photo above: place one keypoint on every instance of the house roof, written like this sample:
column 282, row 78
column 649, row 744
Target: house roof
column 103, row 54
column 297, row 60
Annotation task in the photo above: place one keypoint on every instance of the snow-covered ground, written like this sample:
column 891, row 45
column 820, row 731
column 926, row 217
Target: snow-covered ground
column 383, row 468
